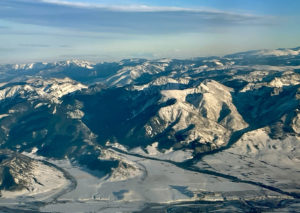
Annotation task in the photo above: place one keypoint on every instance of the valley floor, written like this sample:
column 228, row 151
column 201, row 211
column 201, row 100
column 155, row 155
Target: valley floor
column 155, row 185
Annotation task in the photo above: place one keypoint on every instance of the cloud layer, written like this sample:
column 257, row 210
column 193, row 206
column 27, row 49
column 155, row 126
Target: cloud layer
column 49, row 30
column 125, row 19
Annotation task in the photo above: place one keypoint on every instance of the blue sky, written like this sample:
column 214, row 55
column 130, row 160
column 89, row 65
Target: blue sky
column 100, row 30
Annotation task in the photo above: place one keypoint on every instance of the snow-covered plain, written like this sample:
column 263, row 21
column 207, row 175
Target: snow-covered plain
column 157, row 182
column 257, row 157
column 160, row 182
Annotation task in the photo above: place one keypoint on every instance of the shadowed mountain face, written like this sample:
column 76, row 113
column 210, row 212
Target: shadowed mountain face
column 245, row 103
column 67, row 108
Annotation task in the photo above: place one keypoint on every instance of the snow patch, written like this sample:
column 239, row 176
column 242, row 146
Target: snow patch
column 76, row 114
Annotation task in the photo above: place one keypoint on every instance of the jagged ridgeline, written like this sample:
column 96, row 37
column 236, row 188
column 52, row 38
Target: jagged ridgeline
column 197, row 104
column 77, row 110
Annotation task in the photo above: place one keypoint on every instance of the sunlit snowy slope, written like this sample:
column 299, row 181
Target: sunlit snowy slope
column 211, row 133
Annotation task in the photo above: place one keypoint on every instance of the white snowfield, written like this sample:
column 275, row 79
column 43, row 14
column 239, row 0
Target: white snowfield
column 155, row 181
column 158, row 182
column 257, row 157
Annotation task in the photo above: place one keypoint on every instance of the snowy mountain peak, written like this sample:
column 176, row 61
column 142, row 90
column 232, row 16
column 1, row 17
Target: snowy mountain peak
column 52, row 89
column 279, row 52
column 39, row 65
column 75, row 62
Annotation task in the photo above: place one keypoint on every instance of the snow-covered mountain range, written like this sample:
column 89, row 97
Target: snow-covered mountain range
column 222, row 118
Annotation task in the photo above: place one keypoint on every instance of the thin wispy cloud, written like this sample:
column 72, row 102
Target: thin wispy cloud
column 32, row 30
column 125, row 19
column 132, row 7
